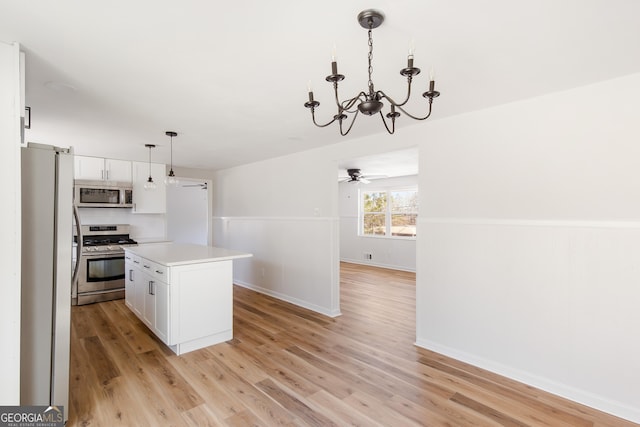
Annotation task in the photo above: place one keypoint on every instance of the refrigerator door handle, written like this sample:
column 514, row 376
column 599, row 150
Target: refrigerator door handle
column 76, row 215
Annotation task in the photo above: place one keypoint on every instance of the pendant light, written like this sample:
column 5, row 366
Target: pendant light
column 150, row 185
column 171, row 179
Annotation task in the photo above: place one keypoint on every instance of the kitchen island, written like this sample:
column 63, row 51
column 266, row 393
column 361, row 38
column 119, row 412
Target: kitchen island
column 182, row 292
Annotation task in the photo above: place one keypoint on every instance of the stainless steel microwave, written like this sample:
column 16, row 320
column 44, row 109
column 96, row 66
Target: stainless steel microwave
column 102, row 194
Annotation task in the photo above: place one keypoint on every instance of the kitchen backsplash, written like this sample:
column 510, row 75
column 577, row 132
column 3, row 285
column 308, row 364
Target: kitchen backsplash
column 143, row 226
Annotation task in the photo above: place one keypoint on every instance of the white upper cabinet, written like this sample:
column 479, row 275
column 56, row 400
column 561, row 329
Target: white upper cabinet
column 100, row 169
column 149, row 201
column 118, row 170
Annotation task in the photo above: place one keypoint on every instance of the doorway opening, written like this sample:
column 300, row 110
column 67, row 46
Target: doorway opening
column 390, row 175
column 189, row 211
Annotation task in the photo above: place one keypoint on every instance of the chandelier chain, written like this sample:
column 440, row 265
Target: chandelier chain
column 370, row 58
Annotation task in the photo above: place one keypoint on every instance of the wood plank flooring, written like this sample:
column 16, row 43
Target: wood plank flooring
column 288, row 366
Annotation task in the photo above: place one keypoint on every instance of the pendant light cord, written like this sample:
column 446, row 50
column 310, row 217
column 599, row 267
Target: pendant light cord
column 171, row 155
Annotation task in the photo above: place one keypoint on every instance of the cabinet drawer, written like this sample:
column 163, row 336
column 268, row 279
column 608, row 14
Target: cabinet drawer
column 134, row 259
column 129, row 257
column 160, row 272
column 154, row 269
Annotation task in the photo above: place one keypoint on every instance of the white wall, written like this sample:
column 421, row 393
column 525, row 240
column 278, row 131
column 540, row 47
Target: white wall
column 528, row 237
column 395, row 253
column 10, row 225
column 289, row 225
column 530, row 240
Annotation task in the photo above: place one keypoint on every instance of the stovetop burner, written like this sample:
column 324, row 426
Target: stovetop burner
column 104, row 238
column 107, row 240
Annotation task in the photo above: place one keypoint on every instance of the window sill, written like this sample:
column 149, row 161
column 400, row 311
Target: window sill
column 386, row 237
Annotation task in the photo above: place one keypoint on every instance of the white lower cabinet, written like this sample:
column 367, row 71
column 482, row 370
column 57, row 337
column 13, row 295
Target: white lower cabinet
column 138, row 288
column 149, row 313
column 129, row 283
column 151, row 296
column 161, row 325
column 186, row 306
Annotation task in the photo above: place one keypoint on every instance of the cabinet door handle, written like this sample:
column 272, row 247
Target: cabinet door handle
column 102, row 174
column 146, row 266
column 159, row 272
column 131, row 275
column 151, row 284
column 136, row 262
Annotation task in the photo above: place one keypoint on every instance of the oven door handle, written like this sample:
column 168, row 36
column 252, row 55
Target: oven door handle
column 76, row 215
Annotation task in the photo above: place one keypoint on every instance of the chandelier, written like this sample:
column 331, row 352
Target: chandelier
column 370, row 102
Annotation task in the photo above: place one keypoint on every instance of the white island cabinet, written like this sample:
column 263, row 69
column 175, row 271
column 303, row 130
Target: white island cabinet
column 182, row 292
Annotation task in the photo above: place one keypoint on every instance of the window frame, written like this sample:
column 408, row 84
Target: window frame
column 388, row 212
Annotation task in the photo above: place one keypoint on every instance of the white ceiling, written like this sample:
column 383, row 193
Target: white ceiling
column 231, row 77
column 386, row 165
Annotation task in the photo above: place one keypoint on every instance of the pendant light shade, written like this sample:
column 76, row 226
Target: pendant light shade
column 150, row 185
column 171, row 179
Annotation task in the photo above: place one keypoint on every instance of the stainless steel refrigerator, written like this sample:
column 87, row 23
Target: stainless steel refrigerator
column 47, row 212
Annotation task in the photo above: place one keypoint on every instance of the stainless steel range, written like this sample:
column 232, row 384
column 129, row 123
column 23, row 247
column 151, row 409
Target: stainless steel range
column 100, row 270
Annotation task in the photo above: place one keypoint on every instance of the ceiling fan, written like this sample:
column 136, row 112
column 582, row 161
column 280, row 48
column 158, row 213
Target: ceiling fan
column 355, row 175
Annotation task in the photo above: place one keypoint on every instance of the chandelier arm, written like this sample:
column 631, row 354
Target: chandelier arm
column 335, row 91
column 313, row 117
column 350, row 126
column 409, row 79
column 381, row 95
column 348, row 103
column 393, row 124
column 414, row 117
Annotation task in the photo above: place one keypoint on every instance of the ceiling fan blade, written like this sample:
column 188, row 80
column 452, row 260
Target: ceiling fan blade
column 375, row 176
column 364, row 180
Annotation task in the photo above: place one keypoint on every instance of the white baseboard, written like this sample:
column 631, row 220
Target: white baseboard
column 595, row 401
column 289, row 299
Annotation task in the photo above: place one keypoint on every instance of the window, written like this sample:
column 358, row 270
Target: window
column 389, row 213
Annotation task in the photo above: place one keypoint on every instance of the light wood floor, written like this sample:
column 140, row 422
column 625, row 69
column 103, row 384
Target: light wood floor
column 288, row 366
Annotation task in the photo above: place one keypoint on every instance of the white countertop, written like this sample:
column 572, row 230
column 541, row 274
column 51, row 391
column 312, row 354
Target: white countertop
column 172, row 254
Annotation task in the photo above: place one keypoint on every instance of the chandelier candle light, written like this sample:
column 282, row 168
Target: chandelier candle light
column 370, row 102
column 171, row 178
column 150, row 185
